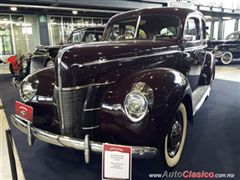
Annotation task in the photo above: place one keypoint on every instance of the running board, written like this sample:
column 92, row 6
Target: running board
column 199, row 96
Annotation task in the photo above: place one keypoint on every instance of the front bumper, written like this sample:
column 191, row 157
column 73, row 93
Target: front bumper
column 140, row 152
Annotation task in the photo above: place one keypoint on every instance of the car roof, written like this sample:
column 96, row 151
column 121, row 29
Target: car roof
column 182, row 13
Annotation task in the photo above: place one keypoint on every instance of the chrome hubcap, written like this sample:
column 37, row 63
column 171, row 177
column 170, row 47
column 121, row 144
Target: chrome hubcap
column 175, row 136
column 226, row 58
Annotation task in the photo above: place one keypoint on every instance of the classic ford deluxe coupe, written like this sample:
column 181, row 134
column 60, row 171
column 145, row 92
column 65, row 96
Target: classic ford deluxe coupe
column 140, row 87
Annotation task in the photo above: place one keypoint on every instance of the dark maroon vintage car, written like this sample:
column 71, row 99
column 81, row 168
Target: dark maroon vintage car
column 140, row 87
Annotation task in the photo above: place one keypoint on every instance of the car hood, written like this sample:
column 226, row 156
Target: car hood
column 80, row 64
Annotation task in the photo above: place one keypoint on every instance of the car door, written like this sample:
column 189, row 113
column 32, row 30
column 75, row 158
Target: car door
column 193, row 50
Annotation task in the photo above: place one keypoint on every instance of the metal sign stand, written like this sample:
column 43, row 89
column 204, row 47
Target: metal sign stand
column 11, row 155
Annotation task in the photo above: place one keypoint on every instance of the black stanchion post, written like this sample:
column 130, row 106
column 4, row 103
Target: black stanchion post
column 11, row 155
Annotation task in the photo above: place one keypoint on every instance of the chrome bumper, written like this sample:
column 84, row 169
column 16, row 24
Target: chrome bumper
column 141, row 152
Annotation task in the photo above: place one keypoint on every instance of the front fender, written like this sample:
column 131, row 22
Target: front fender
column 46, row 80
column 169, row 87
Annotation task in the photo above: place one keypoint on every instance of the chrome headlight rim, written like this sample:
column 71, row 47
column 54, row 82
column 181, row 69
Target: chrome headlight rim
column 24, row 64
column 28, row 93
column 130, row 114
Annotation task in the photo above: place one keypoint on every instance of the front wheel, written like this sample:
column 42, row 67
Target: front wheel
column 175, row 139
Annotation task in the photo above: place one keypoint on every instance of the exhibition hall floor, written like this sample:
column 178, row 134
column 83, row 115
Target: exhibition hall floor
column 212, row 140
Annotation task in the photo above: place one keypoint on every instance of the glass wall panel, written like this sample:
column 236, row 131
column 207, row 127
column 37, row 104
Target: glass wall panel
column 77, row 22
column 61, row 27
column 208, row 24
column 67, row 28
column 32, row 31
column 229, row 27
column 97, row 21
column 87, row 21
column 20, row 31
column 6, row 47
column 56, row 30
column 215, row 32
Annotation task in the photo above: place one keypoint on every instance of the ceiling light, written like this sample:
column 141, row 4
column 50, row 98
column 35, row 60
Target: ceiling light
column 74, row 12
column 208, row 17
column 13, row 8
column 226, row 18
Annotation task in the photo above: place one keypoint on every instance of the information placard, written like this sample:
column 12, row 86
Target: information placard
column 116, row 162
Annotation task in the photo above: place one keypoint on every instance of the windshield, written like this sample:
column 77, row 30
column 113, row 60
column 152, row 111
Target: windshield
column 84, row 35
column 148, row 27
column 233, row 36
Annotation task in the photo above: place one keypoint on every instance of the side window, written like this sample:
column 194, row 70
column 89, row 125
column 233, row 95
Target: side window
column 192, row 29
column 121, row 32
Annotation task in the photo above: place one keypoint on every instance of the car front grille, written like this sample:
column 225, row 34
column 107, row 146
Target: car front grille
column 78, row 111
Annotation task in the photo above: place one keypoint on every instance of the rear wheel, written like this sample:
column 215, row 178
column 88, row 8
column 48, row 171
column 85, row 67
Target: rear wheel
column 175, row 139
column 226, row 58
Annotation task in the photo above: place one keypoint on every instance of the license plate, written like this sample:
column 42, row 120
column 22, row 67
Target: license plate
column 24, row 111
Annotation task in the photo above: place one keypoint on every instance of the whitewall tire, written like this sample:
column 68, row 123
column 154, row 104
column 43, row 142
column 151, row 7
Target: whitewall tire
column 172, row 160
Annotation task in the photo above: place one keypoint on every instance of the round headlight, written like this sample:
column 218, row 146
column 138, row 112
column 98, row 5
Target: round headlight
column 136, row 106
column 27, row 91
column 24, row 64
column 216, row 48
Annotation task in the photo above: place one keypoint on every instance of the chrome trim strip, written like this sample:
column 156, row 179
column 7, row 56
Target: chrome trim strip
column 195, row 47
column 126, row 59
column 141, row 152
column 89, row 128
column 84, row 86
column 114, row 107
column 92, row 109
